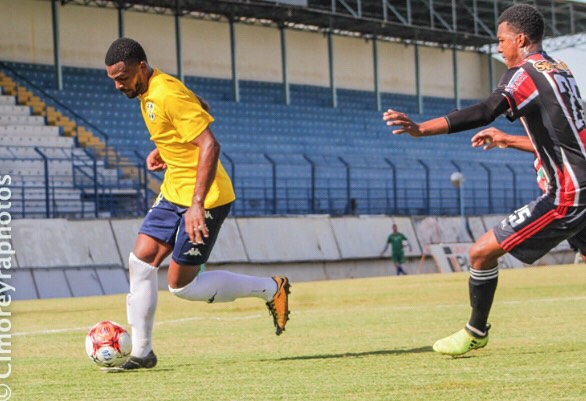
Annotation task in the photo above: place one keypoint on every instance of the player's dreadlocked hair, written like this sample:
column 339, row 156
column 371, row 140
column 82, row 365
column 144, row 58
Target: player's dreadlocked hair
column 526, row 19
column 127, row 50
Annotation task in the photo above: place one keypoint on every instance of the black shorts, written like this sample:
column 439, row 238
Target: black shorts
column 165, row 222
column 533, row 230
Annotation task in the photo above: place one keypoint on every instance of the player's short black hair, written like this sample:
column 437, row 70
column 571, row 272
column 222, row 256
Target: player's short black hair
column 525, row 19
column 127, row 50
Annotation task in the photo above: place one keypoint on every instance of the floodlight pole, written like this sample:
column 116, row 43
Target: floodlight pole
column 178, row 39
column 457, row 179
column 56, row 46
column 462, row 212
column 121, row 8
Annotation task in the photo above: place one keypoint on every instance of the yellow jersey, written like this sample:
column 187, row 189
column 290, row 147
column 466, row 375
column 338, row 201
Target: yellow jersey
column 174, row 118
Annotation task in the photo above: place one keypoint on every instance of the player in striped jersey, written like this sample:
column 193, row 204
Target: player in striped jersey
column 542, row 93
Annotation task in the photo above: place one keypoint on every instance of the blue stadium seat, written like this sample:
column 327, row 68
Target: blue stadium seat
column 386, row 170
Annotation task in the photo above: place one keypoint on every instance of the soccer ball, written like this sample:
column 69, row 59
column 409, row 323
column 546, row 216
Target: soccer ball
column 108, row 344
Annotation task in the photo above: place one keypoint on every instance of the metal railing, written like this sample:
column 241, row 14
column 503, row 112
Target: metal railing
column 91, row 190
column 388, row 192
column 77, row 186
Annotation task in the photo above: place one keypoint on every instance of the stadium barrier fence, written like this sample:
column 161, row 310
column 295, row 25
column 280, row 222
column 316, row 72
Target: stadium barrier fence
column 88, row 257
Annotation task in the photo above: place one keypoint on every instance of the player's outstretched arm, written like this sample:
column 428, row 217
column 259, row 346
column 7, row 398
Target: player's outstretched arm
column 395, row 118
column 492, row 137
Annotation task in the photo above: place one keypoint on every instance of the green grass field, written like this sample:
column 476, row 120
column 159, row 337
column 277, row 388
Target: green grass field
column 362, row 339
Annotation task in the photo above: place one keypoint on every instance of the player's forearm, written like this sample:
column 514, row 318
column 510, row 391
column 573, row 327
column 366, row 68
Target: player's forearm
column 520, row 143
column 436, row 126
column 206, row 170
column 478, row 115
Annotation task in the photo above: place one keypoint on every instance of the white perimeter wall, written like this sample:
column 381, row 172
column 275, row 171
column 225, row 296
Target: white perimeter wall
column 60, row 243
column 90, row 257
column 86, row 32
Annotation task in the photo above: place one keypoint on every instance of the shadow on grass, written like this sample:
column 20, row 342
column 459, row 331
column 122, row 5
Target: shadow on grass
column 131, row 371
column 418, row 350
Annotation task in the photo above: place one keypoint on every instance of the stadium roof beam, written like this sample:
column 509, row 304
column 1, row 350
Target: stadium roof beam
column 388, row 6
column 469, row 24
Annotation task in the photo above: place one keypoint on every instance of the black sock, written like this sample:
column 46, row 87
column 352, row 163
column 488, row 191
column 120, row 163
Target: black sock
column 482, row 286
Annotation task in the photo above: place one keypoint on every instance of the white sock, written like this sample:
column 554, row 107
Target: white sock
column 141, row 304
column 225, row 286
column 475, row 330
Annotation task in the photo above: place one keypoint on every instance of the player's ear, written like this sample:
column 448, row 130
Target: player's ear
column 522, row 40
column 143, row 67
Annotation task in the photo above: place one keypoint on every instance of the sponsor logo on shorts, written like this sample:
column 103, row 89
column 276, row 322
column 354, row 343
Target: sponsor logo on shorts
column 193, row 252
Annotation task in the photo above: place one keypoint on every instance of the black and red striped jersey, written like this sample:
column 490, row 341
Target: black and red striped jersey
column 542, row 93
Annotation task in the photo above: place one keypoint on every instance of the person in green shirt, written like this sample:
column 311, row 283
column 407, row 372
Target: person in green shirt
column 397, row 240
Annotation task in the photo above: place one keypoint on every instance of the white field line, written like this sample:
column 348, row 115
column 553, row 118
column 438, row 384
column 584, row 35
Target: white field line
column 185, row 319
column 546, row 300
column 249, row 317
column 530, row 301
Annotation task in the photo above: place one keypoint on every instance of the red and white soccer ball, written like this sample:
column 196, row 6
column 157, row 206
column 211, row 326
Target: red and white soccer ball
column 108, row 344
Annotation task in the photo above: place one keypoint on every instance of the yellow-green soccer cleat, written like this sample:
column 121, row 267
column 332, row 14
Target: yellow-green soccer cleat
column 279, row 305
column 461, row 342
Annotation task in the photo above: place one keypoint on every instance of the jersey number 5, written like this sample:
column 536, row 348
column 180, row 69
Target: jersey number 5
column 519, row 216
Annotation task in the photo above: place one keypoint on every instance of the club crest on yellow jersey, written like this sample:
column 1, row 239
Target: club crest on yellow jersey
column 150, row 107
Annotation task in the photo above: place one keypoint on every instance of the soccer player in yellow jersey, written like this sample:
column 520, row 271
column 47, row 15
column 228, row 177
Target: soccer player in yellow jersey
column 196, row 196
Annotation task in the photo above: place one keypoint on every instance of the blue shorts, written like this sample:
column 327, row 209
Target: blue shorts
column 165, row 222
column 533, row 230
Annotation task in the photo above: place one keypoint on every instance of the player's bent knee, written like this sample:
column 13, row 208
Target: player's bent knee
column 484, row 253
column 179, row 276
column 482, row 257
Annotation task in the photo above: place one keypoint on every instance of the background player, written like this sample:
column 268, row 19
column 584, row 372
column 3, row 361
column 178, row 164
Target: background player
column 196, row 196
column 542, row 93
column 396, row 240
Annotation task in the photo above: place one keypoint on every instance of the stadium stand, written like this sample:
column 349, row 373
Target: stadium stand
column 305, row 157
column 51, row 174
